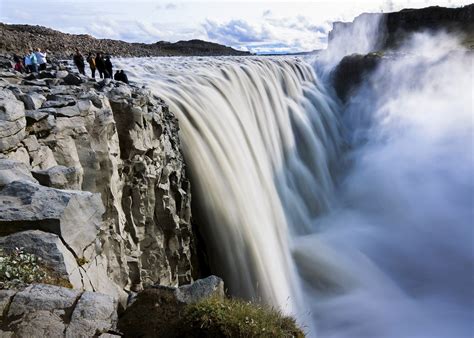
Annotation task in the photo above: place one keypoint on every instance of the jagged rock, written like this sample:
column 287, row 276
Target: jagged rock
column 14, row 171
column 72, row 79
column 46, row 75
column 59, row 177
column 19, row 155
column 33, row 100
column 211, row 286
column 93, row 315
column 50, row 249
column 163, row 305
column 57, row 101
column 68, row 111
column 75, row 216
column 12, row 120
column 52, row 311
column 35, row 115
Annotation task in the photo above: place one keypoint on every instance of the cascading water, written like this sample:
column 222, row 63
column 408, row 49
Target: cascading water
column 386, row 252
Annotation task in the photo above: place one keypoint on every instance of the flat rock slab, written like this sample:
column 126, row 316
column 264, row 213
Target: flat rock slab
column 75, row 216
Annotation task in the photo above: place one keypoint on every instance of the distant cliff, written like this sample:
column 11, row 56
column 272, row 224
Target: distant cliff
column 393, row 29
column 396, row 26
column 19, row 38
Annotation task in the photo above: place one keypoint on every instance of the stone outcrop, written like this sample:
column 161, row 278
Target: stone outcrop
column 92, row 180
column 163, row 306
column 52, row 311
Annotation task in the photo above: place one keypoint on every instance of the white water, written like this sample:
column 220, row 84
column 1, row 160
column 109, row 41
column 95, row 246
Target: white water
column 386, row 252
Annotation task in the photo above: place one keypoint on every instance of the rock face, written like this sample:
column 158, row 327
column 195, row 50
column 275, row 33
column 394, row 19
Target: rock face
column 396, row 26
column 18, row 38
column 52, row 311
column 93, row 181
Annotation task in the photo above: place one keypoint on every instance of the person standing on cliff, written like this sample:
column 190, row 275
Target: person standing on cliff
column 19, row 67
column 108, row 66
column 41, row 57
column 79, row 62
column 33, row 62
column 91, row 61
column 99, row 63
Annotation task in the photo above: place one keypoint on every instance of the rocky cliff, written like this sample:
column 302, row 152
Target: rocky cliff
column 93, row 182
column 394, row 29
column 19, row 38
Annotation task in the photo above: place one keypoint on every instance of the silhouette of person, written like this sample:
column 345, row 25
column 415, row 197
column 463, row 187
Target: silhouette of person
column 108, row 66
column 79, row 62
column 99, row 63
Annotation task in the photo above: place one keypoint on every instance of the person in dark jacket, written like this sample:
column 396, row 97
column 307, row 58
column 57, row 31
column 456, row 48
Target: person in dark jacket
column 121, row 76
column 100, row 65
column 79, row 62
column 108, row 66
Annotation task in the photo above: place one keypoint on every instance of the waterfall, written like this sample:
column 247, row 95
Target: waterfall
column 357, row 219
column 261, row 137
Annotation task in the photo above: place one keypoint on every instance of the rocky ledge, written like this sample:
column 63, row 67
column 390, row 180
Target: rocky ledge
column 93, row 182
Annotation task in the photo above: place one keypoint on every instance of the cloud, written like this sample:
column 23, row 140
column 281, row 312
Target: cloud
column 271, row 34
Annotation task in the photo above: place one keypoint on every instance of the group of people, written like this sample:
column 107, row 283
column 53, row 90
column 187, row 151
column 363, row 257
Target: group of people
column 35, row 61
column 32, row 62
column 99, row 62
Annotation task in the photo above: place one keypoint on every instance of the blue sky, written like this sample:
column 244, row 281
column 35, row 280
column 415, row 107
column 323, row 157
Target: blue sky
column 263, row 26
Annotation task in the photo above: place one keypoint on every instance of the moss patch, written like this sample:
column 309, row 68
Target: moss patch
column 215, row 317
column 19, row 268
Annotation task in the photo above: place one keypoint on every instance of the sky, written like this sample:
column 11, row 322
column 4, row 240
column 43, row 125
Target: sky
column 263, row 26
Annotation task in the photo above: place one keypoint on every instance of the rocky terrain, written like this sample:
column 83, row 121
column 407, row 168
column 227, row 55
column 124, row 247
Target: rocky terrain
column 394, row 29
column 17, row 39
column 93, row 185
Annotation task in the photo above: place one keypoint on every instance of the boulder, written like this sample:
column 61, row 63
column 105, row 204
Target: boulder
column 59, row 177
column 163, row 306
column 93, row 315
column 72, row 80
column 52, row 311
column 12, row 121
column 75, row 216
column 33, row 100
column 14, row 171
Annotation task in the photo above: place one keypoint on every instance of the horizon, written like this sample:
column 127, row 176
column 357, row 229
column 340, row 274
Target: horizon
column 263, row 27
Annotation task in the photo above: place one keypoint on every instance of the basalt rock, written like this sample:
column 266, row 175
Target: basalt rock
column 95, row 173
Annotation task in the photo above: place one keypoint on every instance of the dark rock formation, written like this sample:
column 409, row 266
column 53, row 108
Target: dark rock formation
column 19, row 38
column 163, row 306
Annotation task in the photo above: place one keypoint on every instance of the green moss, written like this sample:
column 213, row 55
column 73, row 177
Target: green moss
column 19, row 268
column 235, row 318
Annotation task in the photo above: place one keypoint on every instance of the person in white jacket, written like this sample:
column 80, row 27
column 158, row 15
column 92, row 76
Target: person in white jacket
column 41, row 57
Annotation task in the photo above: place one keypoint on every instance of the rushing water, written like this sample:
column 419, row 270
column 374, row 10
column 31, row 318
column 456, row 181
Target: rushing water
column 355, row 218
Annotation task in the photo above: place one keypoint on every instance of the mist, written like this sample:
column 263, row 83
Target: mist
column 395, row 257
